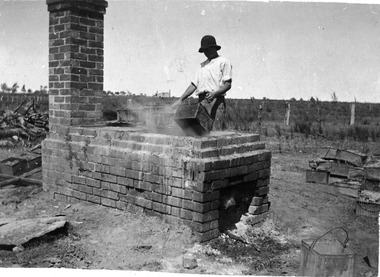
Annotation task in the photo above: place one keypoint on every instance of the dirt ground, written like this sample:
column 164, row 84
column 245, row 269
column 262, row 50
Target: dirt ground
column 97, row 237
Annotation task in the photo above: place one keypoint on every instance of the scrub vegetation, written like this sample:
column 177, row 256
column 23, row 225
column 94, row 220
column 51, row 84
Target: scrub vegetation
column 330, row 120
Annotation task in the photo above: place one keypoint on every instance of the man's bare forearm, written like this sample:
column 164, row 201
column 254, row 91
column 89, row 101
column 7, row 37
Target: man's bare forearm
column 223, row 89
column 189, row 91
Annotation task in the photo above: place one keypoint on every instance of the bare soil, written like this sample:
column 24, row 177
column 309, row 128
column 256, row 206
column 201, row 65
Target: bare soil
column 97, row 237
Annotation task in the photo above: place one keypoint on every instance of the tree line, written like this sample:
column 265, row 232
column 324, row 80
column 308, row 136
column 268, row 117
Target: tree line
column 14, row 89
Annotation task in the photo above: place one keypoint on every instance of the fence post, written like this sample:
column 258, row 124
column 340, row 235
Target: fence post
column 259, row 116
column 352, row 119
column 287, row 113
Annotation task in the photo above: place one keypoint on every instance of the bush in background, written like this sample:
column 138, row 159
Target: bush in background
column 313, row 117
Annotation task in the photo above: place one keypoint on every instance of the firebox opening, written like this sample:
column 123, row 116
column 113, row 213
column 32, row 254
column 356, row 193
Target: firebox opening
column 234, row 202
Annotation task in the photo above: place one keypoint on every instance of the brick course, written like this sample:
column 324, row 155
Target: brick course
column 168, row 185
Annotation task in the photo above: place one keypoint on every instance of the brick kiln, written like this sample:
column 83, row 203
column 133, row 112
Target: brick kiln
column 207, row 182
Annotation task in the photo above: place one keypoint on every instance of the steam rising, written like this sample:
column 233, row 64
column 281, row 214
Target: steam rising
column 156, row 118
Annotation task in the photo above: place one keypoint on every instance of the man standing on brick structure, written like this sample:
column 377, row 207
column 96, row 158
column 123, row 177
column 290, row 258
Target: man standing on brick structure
column 211, row 83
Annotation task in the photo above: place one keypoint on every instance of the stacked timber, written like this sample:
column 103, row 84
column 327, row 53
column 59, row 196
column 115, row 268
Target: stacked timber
column 24, row 125
column 359, row 177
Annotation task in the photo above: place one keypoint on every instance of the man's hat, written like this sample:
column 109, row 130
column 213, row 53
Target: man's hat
column 207, row 42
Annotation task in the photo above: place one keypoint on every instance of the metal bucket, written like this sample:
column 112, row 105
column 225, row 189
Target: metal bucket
column 327, row 258
column 193, row 119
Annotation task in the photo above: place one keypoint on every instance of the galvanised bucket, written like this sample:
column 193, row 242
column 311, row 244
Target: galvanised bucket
column 326, row 258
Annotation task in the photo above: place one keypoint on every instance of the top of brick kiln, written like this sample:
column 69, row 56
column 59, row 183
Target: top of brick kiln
column 214, row 139
column 215, row 145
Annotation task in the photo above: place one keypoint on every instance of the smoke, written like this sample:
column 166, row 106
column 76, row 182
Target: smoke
column 159, row 119
column 156, row 119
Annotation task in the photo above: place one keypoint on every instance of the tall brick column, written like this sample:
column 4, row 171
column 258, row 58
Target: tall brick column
column 76, row 56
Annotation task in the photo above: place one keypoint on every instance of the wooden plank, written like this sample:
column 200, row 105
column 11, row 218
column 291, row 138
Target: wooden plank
column 7, row 182
column 349, row 188
column 320, row 177
column 340, row 169
column 24, row 178
column 352, row 157
column 372, row 173
column 347, row 156
column 29, row 173
column 31, row 181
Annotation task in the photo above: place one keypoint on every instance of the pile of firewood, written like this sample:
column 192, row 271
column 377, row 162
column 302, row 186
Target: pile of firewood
column 24, row 125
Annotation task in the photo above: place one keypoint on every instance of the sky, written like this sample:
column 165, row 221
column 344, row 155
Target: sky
column 279, row 50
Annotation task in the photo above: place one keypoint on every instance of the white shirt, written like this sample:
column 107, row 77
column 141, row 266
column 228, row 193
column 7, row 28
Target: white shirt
column 212, row 75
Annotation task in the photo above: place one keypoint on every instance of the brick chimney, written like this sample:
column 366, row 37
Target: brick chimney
column 76, row 58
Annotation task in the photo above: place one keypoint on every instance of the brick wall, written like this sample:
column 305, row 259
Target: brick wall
column 76, row 57
column 178, row 178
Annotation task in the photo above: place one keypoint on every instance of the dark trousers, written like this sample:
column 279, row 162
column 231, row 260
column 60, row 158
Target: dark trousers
column 216, row 109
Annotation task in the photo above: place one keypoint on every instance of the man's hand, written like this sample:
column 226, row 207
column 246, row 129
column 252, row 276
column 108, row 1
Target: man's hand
column 210, row 96
column 223, row 89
